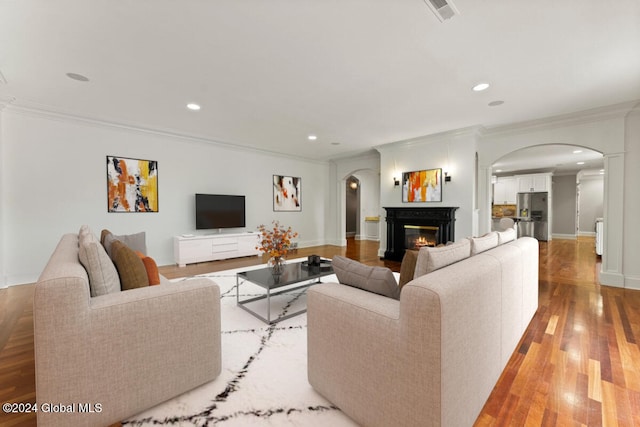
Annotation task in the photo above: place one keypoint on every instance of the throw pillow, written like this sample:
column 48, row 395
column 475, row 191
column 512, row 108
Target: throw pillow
column 103, row 276
column 408, row 267
column 506, row 236
column 103, row 235
column 152, row 269
column 431, row 259
column 84, row 229
column 378, row 280
column 484, row 243
column 130, row 267
column 137, row 242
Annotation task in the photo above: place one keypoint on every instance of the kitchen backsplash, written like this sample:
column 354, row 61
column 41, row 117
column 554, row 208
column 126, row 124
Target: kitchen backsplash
column 503, row 211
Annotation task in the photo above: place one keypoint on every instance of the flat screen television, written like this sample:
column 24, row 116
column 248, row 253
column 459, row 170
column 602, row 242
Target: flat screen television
column 219, row 211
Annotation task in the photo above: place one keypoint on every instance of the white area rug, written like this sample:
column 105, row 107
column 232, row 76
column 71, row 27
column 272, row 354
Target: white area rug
column 264, row 371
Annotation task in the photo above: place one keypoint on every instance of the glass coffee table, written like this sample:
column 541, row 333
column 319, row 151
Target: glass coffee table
column 294, row 273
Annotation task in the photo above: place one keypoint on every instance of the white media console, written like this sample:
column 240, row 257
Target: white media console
column 192, row 249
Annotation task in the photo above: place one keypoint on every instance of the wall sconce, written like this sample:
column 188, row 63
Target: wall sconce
column 447, row 178
column 395, row 182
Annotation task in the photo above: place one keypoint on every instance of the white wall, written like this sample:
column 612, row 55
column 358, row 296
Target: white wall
column 453, row 152
column 564, row 206
column 632, row 199
column 53, row 180
column 2, row 204
column 591, row 204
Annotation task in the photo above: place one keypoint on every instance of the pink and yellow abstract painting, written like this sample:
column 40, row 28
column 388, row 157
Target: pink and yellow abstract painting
column 132, row 185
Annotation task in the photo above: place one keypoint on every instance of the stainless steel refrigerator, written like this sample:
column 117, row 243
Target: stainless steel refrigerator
column 533, row 209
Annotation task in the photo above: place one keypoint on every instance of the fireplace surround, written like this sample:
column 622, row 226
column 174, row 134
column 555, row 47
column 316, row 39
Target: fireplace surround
column 412, row 228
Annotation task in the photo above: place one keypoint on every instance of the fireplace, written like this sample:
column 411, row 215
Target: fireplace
column 418, row 236
column 413, row 228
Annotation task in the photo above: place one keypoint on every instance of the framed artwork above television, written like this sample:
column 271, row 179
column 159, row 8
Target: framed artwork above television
column 287, row 193
column 422, row 186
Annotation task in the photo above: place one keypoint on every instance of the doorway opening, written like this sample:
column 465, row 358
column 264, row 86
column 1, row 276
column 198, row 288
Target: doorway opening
column 352, row 213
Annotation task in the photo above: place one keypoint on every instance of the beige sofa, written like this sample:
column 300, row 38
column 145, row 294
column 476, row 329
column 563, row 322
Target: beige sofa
column 100, row 360
column 433, row 357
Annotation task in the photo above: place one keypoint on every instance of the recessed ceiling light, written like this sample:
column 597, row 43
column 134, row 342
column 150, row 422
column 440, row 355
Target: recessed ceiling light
column 495, row 103
column 577, row 151
column 480, row 87
column 193, row 107
column 602, row 170
column 312, row 137
column 580, row 163
column 498, row 170
column 78, row 77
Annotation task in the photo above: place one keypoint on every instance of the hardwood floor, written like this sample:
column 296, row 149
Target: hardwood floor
column 578, row 363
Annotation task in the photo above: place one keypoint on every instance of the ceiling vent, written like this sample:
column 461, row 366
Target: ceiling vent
column 443, row 9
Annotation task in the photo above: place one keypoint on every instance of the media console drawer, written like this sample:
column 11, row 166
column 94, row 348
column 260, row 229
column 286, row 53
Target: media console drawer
column 192, row 249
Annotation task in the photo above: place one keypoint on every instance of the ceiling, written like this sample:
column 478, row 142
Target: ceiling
column 354, row 73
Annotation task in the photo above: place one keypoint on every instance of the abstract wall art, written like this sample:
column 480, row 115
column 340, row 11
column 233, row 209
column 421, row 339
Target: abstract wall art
column 422, row 186
column 132, row 185
column 287, row 191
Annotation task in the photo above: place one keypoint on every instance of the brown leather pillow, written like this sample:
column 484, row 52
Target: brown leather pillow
column 408, row 267
column 130, row 267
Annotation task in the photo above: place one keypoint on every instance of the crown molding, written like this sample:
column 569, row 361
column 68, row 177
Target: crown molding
column 608, row 112
column 356, row 155
column 473, row 131
column 43, row 111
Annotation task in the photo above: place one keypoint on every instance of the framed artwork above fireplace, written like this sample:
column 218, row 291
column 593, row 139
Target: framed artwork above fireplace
column 422, row 186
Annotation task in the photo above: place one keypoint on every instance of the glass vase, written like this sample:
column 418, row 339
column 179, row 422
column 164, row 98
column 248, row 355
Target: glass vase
column 276, row 264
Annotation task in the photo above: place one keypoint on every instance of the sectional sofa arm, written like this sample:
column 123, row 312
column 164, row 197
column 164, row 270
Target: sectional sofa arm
column 127, row 351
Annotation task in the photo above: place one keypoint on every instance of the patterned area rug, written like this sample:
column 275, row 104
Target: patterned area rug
column 264, row 370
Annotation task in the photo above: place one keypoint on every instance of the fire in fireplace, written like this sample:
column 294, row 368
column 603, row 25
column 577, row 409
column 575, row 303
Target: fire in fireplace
column 417, row 236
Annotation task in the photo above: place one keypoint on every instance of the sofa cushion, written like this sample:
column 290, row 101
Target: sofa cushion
column 408, row 267
column 137, row 242
column 506, row 236
column 103, row 276
column 484, row 243
column 378, row 280
column 431, row 259
column 130, row 267
column 152, row 268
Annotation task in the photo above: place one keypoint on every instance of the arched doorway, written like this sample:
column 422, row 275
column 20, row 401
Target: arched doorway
column 599, row 134
column 569, row 169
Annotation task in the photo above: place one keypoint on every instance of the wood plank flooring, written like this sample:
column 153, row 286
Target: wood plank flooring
column 577, row 365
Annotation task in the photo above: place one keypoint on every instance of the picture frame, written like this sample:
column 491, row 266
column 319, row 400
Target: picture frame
column 132, row 185
column 287, row 193
column 422, row 186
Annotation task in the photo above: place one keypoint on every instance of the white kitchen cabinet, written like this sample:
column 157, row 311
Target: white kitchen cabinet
column 534, row 183
column 505, row 190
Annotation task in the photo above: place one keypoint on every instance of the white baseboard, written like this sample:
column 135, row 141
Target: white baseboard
column 612, row 279
column 632, row 282
column 564, row 236
column 587, row 233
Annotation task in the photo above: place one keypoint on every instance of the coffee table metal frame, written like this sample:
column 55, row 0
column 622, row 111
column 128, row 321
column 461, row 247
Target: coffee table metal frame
column 294, row 273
